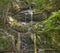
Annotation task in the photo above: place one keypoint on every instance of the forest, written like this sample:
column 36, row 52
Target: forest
column 29, row 26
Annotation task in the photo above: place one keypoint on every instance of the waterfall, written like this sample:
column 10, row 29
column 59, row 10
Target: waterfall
column 23, row 36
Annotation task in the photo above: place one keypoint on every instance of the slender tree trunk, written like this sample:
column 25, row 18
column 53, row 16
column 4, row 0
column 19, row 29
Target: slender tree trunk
column 19, row 44
column 35, row 47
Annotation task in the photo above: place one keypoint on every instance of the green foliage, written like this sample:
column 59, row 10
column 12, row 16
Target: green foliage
column 49, row 33
column 5, row 43
column 40, row 4
column 53, row 22
column 3, row 3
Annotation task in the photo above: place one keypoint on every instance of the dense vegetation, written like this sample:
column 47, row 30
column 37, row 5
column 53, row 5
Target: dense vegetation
column 46, row 25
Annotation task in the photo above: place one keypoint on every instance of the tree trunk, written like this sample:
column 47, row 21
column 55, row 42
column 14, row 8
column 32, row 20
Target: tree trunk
column 35, row 47
column 19, row 44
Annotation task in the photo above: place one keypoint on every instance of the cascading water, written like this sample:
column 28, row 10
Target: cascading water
column 24, row 44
